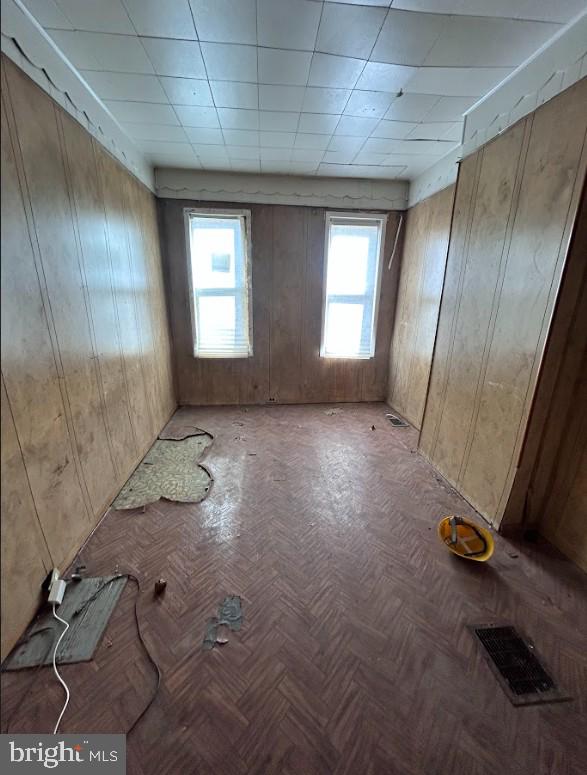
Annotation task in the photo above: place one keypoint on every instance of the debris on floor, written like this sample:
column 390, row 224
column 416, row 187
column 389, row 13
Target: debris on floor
column 230, row 617
column 160, row 587
column 373, row 428
column 87, row 606
column 396, row 421
column 331, row 412
column 169, row 470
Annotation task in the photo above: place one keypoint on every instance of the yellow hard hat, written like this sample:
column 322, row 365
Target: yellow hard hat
column 465, row 538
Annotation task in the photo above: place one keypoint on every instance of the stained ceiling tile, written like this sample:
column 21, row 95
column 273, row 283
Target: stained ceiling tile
column 235, row 95
column 187, row 91
column 320, row 100
column 169, row 19
column 288, row 23
column 197, row 116
column 334, row 71
column 349, row 30
column 125, row 86
column 278, row 66
column 378, row 76
column 406, row 37
column 180, row 58
column 372, row 104
column 230, row 62
column 236, row 118
column 225, row 21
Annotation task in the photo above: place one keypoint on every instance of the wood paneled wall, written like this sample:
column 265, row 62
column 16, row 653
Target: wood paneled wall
column 287, row 268
column 86, row 366
column 515, row 205
column 550, row 486
column 423, row 262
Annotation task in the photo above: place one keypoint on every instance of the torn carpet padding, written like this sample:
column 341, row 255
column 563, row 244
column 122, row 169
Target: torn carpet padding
column 169, row 470
column 87, row 606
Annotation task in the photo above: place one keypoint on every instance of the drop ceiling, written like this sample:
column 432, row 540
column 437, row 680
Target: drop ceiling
column 370, row 89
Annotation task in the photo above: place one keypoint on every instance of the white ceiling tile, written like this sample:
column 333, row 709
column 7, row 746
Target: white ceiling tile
column 345, row 143
column 419, row 147
column 411, row 107
column 371, row 104
column 277, row 139
column 457, row 81
column 469, row 41
column 208, row 152
column 125, row 86
column 176, row 160
column 236, row 118
column 187, row 91
column 226, row 21
column 334, row 71
column 448, row 108
column 288, row 98
column 384, row 77
column 369, row 157
column 170, row 134
column 379, row 145
column 203, row 136
column 353, row 125
column 275, row 154
column 288, row 23
column 429, row 131
column 230, row 62
column 144, row 112
column 340, row 157
column 105, row 16
column 406, row 37
column 349, row 30
column 241, row 137
column 454, row 132
column 318, row 100
column 243, row 152
column 321, row 123
column 284, row 67
column 245, row 165
column 306, row 155
column 303, row 167
column 415, row 164
column 169, row 19
column 357, row 171
column 396, row 130
column 312, row 141
column 175, row 57
column 235, row 95
column 278, row 121
column 216, row 165
column 101, row 51
column 197, row 115
column 48, row 14
column 378, row 3
column 542, row 10
column 161, row 148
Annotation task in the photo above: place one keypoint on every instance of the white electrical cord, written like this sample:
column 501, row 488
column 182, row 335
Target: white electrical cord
column 60, row 679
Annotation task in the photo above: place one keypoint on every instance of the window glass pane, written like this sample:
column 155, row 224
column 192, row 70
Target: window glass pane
column 344, row 323
column 352, row 273
column 220, row 285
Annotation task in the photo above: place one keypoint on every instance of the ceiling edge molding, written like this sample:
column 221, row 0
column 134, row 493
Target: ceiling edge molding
column 27, row 44
column 435, row 178
column 556, row 66
column 348, row 193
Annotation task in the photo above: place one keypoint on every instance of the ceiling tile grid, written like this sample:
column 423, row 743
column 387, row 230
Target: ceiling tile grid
column 364, row 88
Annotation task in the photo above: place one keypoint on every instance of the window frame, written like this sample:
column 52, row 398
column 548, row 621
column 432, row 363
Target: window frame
column 351, row 218
column 216, row 212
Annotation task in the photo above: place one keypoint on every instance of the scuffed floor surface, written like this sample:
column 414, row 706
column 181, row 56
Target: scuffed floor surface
column 353, row 656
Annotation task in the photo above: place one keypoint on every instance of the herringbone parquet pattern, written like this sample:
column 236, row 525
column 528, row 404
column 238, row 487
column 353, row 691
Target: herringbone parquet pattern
column 353, row 658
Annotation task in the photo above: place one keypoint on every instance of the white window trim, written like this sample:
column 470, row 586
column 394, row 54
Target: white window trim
column 380, row 218
column 211, row 212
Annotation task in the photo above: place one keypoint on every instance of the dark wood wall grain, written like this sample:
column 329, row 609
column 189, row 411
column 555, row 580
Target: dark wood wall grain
column 86, row 355
column 288, row 266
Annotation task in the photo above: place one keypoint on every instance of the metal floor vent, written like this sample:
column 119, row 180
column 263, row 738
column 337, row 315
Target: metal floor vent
column 516, row 666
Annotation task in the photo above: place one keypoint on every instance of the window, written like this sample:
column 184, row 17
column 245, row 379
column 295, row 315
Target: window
column 351, row 288
column 220, row 280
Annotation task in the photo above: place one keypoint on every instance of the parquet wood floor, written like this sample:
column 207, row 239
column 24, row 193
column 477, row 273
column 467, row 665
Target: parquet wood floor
column 354, row 658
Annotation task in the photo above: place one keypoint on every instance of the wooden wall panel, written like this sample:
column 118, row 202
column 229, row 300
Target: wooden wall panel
column 423, row 263
column 85, row 345
column 288, row 267
column 502, row 276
